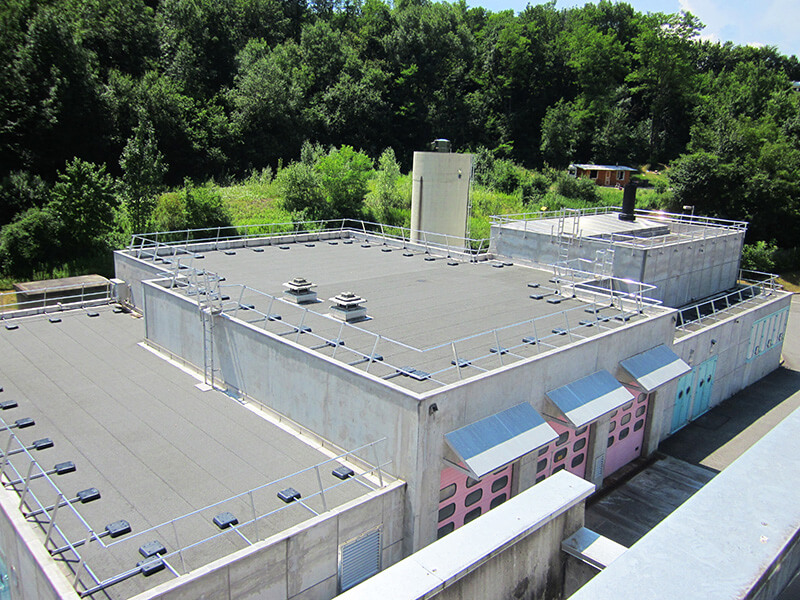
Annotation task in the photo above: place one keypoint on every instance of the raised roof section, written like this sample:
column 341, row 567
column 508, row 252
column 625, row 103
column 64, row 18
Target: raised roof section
column 434, row 317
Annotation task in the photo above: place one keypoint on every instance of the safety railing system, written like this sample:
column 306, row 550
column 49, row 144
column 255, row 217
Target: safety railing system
column 481, row 351
column 165, row 243
column 682, row 227
column 246, row 517
column 53, row 298
column 580, row 277
column 71, row 540
column 608, row 294
column 752, row 287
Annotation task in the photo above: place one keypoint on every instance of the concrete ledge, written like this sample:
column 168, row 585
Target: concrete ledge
column 451, row 558
column 726, row 541
column 592, row 548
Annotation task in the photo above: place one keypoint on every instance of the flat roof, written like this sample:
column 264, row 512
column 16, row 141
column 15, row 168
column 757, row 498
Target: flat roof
column 155, row 445
column 602, row 167
column 420, row 305
column 649, row 230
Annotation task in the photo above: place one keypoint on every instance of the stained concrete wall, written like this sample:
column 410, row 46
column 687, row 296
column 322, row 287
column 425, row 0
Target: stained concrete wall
column 32, row 574
column 300, row 563
column 514, row 551
column 691, row 270
column 173, row 323
column 731, row 339
column 351, row 408
column 683, row 271
column 134, row 271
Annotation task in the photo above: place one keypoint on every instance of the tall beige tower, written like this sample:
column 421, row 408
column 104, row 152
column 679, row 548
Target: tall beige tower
column 440, row 196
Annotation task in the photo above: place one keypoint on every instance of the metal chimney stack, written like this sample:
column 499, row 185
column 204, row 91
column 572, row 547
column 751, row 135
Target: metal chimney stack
column 628, row 203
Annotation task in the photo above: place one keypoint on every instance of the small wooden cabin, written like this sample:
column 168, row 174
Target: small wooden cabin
column 605, row 175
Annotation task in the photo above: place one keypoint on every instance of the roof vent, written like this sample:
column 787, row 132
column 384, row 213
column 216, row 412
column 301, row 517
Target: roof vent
column 347, row 307
column 628, row 203
column 299, row 291
column 441, row 145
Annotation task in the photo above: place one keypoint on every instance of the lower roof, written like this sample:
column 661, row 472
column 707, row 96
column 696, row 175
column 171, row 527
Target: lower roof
column 156, row 447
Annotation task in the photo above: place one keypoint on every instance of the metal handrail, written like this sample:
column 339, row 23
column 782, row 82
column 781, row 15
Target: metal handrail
column 757, row 285
column 647, row 213
column 216, row 235
column 11, row 306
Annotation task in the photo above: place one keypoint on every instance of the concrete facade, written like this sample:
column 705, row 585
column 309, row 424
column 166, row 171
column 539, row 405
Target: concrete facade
column 300, row 562
column 323, row 395
column 683, row 270
column 514, row 551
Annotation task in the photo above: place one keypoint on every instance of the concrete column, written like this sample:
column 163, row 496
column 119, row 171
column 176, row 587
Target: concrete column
column 596, row 456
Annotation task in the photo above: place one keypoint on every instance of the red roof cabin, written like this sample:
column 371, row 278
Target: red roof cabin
column 605, row 175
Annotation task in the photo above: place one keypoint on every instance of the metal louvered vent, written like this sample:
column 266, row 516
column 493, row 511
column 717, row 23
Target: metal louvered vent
column 359, row 559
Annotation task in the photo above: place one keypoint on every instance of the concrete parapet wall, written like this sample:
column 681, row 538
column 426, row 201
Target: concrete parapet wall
column 513, row 551
column 731, row 539
column 299, row 563
column 32, row 574
column 682, row 271
column 729, row 340
column 173, row 323
column 134, row 271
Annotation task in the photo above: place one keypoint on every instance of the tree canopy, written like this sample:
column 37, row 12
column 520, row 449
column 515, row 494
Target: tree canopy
column 158, row 92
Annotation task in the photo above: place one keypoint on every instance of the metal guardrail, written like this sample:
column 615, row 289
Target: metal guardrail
column 66, row 532
column 755, row 284
column 53, row 298
column 168, row 530
column 162, row 241
column 570, row 322
column 206, row 287
column 640, row 212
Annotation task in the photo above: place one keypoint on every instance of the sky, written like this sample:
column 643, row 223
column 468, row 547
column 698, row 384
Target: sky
column 743, row 22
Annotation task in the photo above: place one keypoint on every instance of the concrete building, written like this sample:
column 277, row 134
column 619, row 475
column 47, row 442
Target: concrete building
column 444, row 405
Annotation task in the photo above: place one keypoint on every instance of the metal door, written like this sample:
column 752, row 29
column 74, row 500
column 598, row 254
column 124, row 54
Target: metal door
column 703, row 386
column 462, row 499
column 683, row 401
column 568, row 452
column 608, row 177
column 626, row 433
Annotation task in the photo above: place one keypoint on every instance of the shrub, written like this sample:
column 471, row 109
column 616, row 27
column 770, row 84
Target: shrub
column 577, row 188
column 759, row 256
column 30, row 243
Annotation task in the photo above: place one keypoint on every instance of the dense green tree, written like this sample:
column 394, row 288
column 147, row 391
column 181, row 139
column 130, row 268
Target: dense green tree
column 344, row 174
column 31, row 243
column 84, row 199
column 301, row 191
column 143, row 170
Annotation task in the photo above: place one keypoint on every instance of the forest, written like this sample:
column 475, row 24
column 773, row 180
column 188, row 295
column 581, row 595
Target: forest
column 121, row 116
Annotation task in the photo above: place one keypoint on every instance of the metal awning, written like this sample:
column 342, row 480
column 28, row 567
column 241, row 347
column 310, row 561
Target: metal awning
column 586, row 400
column 655, row 367
column 493, row 442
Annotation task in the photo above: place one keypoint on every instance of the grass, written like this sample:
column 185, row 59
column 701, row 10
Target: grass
column 790, row 281
column 253, row 202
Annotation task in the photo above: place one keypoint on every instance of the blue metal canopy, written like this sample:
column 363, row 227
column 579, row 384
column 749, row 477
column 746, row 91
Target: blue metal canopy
column 493, row 442
column 655, row 367
column 586, row 400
